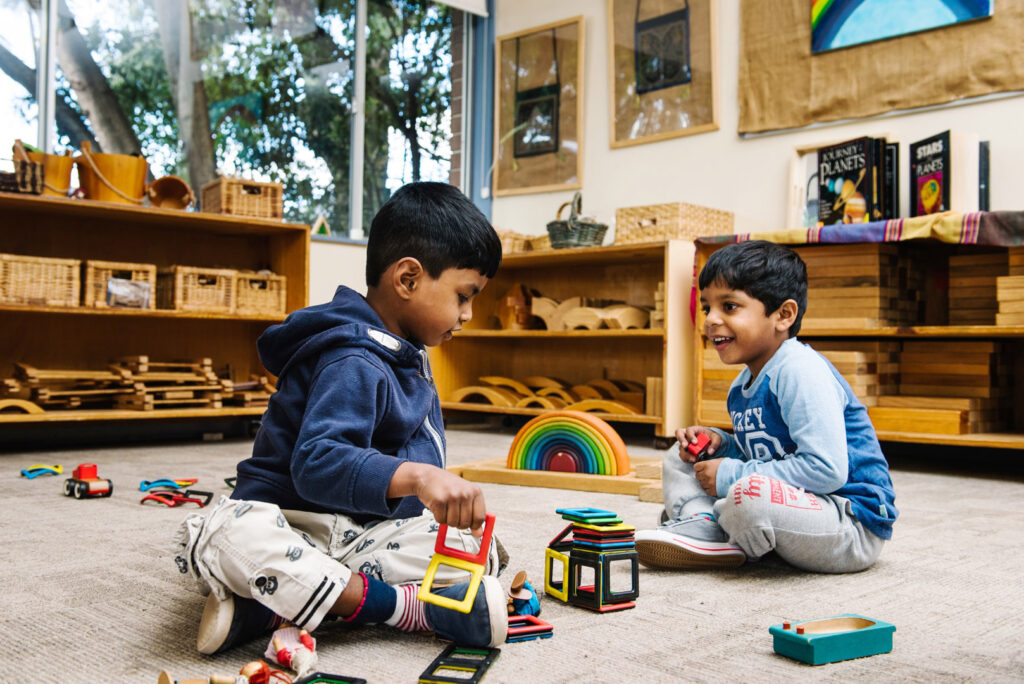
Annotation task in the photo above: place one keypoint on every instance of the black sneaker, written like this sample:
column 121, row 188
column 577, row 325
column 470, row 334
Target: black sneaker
column 233, row 622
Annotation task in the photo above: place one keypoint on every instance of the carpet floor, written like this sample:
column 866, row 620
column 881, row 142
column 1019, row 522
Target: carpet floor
column 91, row 594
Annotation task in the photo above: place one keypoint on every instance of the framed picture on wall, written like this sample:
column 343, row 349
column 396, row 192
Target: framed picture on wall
column 661, row 61
column 538, row 132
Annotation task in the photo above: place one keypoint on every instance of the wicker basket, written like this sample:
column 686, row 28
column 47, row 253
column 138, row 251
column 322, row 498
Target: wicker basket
column 673, row 221
column 39, row 281
column 99, row 293
column 189, row 288
column 512, row 241
column 237, row 197
column 576, row 231
column 260, row 294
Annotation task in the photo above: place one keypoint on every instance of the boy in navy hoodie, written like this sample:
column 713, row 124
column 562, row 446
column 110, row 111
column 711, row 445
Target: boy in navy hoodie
column 803, row 473
column 338, row 508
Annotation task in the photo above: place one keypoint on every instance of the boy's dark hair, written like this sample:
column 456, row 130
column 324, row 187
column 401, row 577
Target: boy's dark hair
column 768, row 272
column 436, row 224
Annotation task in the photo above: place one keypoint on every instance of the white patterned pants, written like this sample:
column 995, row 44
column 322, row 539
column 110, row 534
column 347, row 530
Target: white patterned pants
column 298, row 563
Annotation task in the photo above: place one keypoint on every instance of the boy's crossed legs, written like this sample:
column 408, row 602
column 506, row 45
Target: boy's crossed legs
column 760, row 514
column 306, row 566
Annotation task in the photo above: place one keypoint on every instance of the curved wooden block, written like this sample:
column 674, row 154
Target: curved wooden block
column 564, row 306
column 603, row 405
column 538, row 381
column 607, row 388
column 583, row 317
column 508, row 383
column 629, row 385
column 590, row 392
column 622, row 316
column 550, row 402
column 546, row 309
column 496, row 396
column 21, row 405
column 568, row 396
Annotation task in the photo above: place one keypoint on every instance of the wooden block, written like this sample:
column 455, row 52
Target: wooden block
column 654, row 396
column 871, row 280
column 973, row 303
column 539, row 381
column 984, row 259
column 508, row 383
column 715, row 412
column 950, row 391
column 1012, row 307
column 908, row 358
column 1010, row 319
column 946, row 379
column 623, row 317
column 842, row 323
column 496, row 396
column 602, row 406
column 651, row 493
column 952, row 347
column 845, row 249
column 871, row 293
column 955, row 403
column 648, row 470
column 976, row 281
column 496, row 471
column 935, row 421
column 585, row 317
column 948, row 368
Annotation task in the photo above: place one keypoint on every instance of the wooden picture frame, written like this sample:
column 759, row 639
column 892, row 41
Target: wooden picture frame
column 662, row 69
column 538, row 128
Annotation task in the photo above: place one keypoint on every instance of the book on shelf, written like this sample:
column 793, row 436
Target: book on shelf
column 858, row 181
column 947, row 173
column 847, row 181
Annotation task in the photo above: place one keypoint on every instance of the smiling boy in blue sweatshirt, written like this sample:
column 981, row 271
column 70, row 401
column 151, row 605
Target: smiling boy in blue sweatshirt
column 803, row 473
column 338, row 508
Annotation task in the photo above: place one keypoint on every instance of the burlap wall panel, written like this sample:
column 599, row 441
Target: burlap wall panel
column 781, row 85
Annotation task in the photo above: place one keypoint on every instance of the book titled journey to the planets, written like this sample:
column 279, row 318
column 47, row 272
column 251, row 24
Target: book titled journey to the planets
column 847, row 181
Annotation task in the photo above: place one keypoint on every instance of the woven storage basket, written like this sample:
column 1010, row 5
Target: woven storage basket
column 97, row 281
column 39, row 281
column 237, row 197
column 260, row 294
column 576, row 231
column 189, row 288
column 673, row 221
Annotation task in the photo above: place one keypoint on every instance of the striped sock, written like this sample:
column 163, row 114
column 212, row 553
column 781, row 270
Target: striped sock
column 409, row 615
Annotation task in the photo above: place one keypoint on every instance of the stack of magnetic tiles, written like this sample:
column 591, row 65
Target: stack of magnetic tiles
column 599, row 540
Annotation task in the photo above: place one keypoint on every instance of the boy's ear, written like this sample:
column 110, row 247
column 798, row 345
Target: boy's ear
column 406, row 276
column 786, row 315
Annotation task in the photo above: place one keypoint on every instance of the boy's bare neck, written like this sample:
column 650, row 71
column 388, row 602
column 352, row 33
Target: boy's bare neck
column 378, row 301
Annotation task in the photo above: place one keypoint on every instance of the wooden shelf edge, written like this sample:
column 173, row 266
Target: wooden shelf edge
column 555, row 334
column 607, row 253
column 918, row 331
column 138, row 313
column 108, row 415
column 511, row 410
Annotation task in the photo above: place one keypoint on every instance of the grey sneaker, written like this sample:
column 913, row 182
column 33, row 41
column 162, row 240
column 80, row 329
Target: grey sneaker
column 697, row 541
column 486, row 624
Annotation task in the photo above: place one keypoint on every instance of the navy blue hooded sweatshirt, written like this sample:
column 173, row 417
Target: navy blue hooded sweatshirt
column 353, row 402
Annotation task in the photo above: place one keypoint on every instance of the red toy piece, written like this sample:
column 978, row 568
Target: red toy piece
column 700, row 447
column 84, row 483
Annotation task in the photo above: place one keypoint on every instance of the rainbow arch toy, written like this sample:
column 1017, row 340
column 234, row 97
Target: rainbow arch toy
column 569, row 441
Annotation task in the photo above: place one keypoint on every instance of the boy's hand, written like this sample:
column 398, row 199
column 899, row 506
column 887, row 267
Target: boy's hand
column 453, row 501
column 707, row 475
column 689, row 436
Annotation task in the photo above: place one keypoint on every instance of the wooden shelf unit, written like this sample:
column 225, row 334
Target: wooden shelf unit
column 88, row 338
column 935, row 251
column 629, row 273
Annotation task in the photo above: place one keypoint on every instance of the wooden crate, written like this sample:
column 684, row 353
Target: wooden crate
column 190, row 288
column 238, row 197
column 672, row 221
column 39, row 281
column 260, row 294
column 97, row 279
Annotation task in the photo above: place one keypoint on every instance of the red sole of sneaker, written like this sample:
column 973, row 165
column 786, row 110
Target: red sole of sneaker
column 656, row 554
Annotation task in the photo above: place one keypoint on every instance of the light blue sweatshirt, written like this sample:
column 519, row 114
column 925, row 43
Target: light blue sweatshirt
column 799, row 422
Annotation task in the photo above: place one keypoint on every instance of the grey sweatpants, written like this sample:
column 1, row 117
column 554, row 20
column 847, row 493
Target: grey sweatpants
column 816, row 532
column 297, row 563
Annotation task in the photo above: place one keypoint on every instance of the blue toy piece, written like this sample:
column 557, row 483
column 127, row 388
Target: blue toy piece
column 523, row 599
column 34, row 471
column 828, row 640
column 166, row 483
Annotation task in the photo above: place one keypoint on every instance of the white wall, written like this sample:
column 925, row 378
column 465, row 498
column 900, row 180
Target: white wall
column 719, row 169
column 332, row 264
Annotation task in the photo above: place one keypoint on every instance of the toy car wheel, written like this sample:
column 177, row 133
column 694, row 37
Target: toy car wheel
column 110, row 488
column 68, row 487
column 81, row 490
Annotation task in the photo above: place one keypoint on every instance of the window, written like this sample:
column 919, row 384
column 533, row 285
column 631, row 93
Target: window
column 258, row 89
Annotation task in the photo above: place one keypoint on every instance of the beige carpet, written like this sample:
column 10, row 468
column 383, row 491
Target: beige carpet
column 90, row 592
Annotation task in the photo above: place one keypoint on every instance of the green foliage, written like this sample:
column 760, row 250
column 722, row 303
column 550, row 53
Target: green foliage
column 294, row 58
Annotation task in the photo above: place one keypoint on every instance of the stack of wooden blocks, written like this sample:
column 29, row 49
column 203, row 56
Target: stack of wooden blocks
column 869, row 366
column 958, row 388
column 972, row 287
column 1010, row 290
column 715, row 381
column 853, row 286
